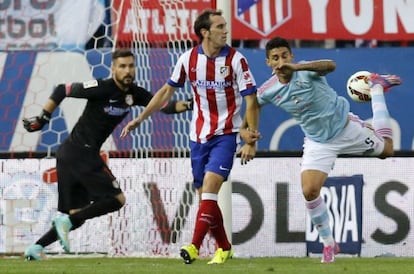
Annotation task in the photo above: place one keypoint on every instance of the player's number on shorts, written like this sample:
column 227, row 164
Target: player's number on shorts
column 369, row 142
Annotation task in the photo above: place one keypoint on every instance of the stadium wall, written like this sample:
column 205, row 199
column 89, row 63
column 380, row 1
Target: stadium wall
column 269, row 217
column 39, row 72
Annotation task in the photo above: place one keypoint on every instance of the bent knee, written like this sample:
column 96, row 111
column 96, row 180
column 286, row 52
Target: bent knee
column 311, row 195
column 310, row 192
column 388, row 149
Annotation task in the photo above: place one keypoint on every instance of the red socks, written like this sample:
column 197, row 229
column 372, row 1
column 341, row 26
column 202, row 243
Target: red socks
column 209, row 217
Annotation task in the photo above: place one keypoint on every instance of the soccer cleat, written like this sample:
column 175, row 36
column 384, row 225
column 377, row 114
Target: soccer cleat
column 221, row 256
column 387, row 81
column 34, row 253
column 63, row 225
column 329, row 252
column 189, row 253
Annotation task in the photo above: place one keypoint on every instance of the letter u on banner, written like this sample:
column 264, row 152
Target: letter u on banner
column 343, row 197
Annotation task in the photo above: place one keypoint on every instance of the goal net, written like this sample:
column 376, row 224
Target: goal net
column 151, row 164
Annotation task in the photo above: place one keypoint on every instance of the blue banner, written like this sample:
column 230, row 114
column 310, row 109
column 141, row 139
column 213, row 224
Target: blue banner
column 281, row 133
column 343, row 197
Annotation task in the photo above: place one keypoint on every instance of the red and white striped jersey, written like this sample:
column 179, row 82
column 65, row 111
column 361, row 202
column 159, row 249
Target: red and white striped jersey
column 218, row 84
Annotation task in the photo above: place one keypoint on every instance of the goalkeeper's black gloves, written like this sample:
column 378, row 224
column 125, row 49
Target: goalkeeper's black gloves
column 36, row 123
column 189, row 103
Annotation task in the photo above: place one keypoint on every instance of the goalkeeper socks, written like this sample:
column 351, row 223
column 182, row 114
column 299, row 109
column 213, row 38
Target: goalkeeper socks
column 48, row 238
column 319, row 215
column 381, row 117
column 95, row 209
column 51, row 236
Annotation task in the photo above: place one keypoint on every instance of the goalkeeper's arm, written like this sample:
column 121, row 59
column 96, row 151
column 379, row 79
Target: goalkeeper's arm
column 175, row 106
column 36, row 123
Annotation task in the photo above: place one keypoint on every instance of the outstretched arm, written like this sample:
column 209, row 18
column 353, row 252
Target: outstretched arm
column 320, row 66
column 162, row 96
column 175, row 106
column 36, row 123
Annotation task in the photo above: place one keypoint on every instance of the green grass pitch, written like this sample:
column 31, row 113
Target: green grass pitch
column 283, row 265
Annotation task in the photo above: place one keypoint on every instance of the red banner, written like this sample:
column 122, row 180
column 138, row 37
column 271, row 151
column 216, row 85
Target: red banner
column 324, row 19
column 260, row 19
column 156, row 20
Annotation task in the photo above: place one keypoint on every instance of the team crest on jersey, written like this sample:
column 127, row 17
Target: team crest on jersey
column 129, row 99
column 90, row 84
column 224, row 71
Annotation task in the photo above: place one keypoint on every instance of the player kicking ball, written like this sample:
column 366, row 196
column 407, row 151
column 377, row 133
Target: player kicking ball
column 330, row 128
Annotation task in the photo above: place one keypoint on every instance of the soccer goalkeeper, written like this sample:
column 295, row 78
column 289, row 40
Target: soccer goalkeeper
column 86, row 186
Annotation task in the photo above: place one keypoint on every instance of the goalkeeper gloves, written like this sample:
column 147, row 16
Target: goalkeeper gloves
column 37, row 122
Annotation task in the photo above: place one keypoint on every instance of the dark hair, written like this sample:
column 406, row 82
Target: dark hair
column 121, row 53
column 203, row 21
column 277, row 42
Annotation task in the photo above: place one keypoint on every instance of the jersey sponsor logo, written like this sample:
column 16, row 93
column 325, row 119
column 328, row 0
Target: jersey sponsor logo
column 302, row 108
column 263, row 16
column 114, row 111
column 302, row 84
column 212, row 84
column 129, row 100
column 90, row 84
column 224, row 71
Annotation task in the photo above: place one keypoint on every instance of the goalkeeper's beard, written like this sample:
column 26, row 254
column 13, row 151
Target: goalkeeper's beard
column 126, row 82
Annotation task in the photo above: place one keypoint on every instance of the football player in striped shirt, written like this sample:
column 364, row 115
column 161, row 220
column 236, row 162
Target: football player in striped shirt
column 220, row 79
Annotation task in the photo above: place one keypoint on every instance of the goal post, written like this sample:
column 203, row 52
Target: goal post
column 225, row 194
column 152, row 164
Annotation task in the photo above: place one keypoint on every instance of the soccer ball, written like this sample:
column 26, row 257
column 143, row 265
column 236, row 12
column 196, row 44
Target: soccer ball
column 358, row 88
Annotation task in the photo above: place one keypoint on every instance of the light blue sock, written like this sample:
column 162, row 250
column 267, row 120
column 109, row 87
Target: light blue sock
column 380, row 115
column 319, row 215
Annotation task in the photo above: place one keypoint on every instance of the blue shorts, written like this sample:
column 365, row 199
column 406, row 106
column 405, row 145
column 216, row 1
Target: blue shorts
column 216, row 155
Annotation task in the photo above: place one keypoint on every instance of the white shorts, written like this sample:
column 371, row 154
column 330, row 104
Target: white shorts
column 357, row 138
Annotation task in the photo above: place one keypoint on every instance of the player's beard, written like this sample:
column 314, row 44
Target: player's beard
column 126, row 81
